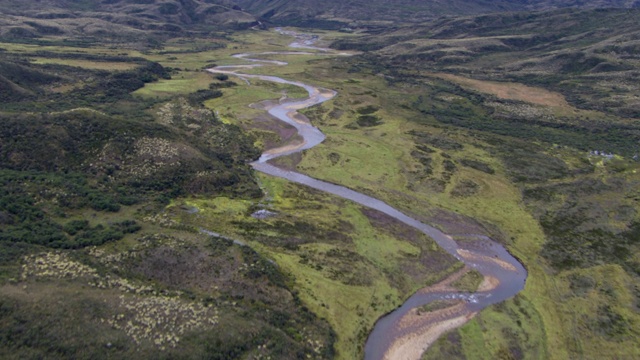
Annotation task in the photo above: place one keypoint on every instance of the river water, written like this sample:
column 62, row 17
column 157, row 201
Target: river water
column 480, row 253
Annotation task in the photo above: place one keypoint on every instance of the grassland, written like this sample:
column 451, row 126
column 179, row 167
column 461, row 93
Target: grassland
column 97, row 235
column 318, row 271
column 323, row 302
column 88, row 64
column 346, row 158
column 378, row 14
column 451, row 174
column 314, row 237
column 486, row 177
column 447, row 175
column 402, row 180
column 181, row 83
column 347, row 267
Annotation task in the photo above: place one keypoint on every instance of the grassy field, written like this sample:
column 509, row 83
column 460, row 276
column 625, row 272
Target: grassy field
column 380, row 161
column 88, row 64
column 182, row 83
column 342, row 264
column 317, row 269
column 467, row 173
column 347, row 267
column 377, row 159
column 97, row 49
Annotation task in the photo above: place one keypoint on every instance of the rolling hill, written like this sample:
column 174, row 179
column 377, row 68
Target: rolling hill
column 32, row 19
column 560, row 49
column 133, row 226
column 356, row 12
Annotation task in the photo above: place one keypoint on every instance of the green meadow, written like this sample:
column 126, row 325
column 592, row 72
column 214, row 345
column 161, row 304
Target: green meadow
column 311, row 277
column 424, row 168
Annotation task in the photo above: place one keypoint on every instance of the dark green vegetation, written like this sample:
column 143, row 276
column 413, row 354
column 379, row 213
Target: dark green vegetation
column 53, row 87
column 349, row 265
column 90, row 266
column 25, row 222
column 78, row 179
column 469, row 281
column 62, row 156
column 580, row 233
column 571, row 52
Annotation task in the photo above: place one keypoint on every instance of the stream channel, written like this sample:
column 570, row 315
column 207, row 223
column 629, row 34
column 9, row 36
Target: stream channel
column 401, row 334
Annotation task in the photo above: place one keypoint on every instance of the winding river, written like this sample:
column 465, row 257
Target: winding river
column 406, row 332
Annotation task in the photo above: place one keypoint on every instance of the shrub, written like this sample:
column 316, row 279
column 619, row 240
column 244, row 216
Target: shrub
column 368, row 120
column 74, row 226
column 478, row 165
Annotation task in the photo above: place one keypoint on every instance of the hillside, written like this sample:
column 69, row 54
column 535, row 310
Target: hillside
column 590, row 57
column 107, row 18
column 353, row 13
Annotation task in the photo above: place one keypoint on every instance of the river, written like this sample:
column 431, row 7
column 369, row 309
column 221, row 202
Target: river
column 404, row 333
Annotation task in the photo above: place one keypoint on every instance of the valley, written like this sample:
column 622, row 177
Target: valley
column 134, row 216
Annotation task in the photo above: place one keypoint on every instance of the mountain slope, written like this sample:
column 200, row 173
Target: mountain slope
column 122, row 17
column 558, row 50
column 333, row 12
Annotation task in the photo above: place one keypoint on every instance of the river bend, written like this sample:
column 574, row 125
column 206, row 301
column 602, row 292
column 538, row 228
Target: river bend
column 403, row 333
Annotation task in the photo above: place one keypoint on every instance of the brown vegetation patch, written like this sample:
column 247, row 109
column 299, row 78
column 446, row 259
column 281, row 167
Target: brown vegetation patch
column 289, row 162
column 489, row 283
column 224, row 269
column 298, row 117
column 452, row 223
column 52, row 315
column 446, row 284
column 470, row 256
column 88, row 64
column 283, row 131
column 510, row 91
column 398, row 229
